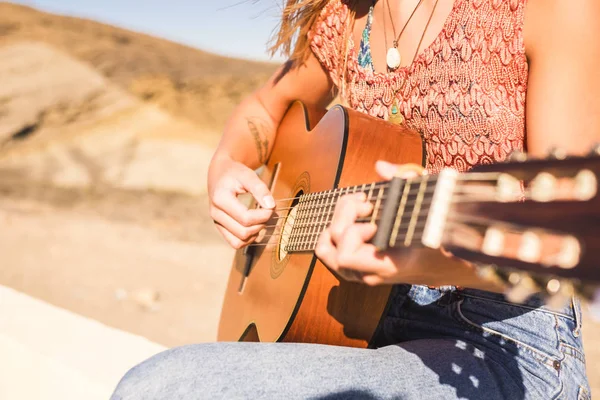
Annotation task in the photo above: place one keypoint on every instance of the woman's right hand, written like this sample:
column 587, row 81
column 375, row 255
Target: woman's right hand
column 226, row 180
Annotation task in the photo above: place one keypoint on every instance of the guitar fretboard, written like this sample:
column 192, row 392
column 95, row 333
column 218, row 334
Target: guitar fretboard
column 410, row 210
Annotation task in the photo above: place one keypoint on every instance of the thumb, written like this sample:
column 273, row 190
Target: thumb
column 385, row 169
column 406, row 171
column 259, row 190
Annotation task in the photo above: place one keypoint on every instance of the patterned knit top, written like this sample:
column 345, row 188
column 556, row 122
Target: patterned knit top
column 465, row 93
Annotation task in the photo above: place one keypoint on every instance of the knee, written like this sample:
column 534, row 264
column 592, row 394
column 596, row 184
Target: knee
column 169, row 374
column 148, row 379
column 135, row 384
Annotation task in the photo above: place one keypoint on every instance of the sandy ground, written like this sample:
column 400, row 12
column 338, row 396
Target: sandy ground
column 146, row 280
column 145, row 273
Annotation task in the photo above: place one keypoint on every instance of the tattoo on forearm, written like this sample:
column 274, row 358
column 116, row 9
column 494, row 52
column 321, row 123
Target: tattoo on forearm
column 260, row 131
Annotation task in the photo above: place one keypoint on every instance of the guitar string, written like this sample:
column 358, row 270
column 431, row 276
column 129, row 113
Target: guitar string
column 422, row 213
column 319, row 209
column 363, row 189
column 453, row 218
column 328, row 199
column 471, row 176
column 314, row 203
column 319, row 212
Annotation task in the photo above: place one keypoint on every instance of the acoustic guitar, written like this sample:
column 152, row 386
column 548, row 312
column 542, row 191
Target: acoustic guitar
column 539, row 217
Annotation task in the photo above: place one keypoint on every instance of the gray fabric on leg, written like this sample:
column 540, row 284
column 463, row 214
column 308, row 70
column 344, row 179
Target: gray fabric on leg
column 421, row 369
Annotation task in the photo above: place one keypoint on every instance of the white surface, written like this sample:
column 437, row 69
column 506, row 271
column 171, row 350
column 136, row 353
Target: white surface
column 49, row 353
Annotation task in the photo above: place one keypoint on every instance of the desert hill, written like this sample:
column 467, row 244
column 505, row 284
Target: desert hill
column 66, row 125
column 198, row 85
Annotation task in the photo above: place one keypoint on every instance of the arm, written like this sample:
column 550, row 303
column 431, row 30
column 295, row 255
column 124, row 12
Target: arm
column 562, row 41
column 250, row 131
column 247, row 142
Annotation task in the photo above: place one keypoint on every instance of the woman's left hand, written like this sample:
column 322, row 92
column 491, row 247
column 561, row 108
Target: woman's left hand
column 344, row 246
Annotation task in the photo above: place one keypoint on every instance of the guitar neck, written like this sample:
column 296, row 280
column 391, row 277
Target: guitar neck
column 408, row 212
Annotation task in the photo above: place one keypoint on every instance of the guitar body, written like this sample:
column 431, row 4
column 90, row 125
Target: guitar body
column 296, row 298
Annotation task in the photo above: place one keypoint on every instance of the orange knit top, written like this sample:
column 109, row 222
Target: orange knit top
column 465, row 93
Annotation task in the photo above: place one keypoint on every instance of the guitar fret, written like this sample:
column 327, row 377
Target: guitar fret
column 297, row 229
column 314, row 238
column 400, row 213
column 377, row 205
column 314, row 230
column 314, row 217
column 324, row 221
column 371, row 187
column 415, row 213
column 315, row 212
column 328, row 215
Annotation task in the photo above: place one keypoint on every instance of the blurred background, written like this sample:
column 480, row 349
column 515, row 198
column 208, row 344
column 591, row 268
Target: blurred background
column 109, row 114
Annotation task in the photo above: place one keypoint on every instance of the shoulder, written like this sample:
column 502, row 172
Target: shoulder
column 327, row 36
column 331, row 21
column 559, row 28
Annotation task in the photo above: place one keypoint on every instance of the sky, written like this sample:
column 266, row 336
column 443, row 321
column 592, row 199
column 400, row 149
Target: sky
column 239, row 28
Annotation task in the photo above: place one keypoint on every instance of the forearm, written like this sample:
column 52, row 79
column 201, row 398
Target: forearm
column 249, row 133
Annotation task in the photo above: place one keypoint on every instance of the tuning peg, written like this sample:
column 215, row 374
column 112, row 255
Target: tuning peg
column 517, row 156
column 558, row 153
column 493, row 242
column 559, row 293
column 508, row 188
column 586, row 185
column 530, row 248
column 570, row 253
column 523, row 286
column 543, row 187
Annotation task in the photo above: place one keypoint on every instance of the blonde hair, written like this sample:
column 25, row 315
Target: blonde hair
column 297, row 19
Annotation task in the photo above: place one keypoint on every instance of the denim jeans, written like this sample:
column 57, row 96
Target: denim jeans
column 442, row 343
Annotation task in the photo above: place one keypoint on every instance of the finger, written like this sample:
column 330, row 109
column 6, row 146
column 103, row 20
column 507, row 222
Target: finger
column 227, row 201
column 351, row 275
column 234, row 241
column 406, row 171
column 252, row 183
column 325, row 250
column 385, row 169
column 244, row 233
column 353, row 252
column 369, row 261
column 355, row 237
column 347, row 210
column 326, row 253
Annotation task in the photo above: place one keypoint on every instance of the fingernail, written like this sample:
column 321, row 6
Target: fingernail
column 269, row 202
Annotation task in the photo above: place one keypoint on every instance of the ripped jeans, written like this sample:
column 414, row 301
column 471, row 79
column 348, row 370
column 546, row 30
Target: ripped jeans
column 442, row 343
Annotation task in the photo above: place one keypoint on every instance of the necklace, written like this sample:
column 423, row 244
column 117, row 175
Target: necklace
column 396, row 116
column 393, row 58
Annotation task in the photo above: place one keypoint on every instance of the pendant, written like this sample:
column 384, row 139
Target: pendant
column 393, row 58
column 395, row 116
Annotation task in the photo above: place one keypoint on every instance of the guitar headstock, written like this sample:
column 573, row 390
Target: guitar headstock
column 531, row 223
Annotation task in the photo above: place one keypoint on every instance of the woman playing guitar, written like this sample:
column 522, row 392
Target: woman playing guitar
column 477, row 79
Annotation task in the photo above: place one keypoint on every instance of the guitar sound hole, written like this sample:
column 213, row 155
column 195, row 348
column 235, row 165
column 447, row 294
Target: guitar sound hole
column 288, row 224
